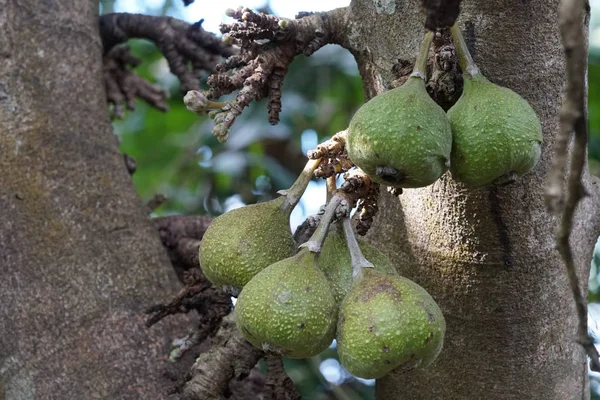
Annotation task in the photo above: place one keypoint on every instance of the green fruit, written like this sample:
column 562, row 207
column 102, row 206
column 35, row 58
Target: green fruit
column 496, row 134
column 401, row 138
column 287, row 308
column 387, row 323
column 242, row 242
column 335, row 262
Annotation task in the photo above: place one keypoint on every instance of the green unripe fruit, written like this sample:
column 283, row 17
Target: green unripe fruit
column 287, row 308
column 388, row 323
column 496, row 134
column 335, row 262
column 242, row 242
column 401, row 138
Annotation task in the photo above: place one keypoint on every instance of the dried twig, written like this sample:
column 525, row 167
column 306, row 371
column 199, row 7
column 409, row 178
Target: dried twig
column 268, row 46
column 212, row 304
column 572, row 122
column 180, row 42
column 181, row 237
column 123, row 86
column 156, row 201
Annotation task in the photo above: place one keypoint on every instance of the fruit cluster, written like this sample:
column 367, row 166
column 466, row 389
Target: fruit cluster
column 402, row 138
column 295, row 304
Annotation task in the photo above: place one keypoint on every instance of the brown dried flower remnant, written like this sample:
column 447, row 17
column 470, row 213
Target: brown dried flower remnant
column 268, row 45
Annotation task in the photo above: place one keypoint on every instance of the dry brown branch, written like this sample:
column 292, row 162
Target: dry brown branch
column 123, row 86
column 182, row 44
column 230, row 358
column 181, row 237
column 278, row 385
column 572, row 15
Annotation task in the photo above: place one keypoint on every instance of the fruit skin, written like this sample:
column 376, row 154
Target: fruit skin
column 242, row 242
column 496, row 133
column 335, row 262
column 401, row 137
column 387, row 323
column 288, row 308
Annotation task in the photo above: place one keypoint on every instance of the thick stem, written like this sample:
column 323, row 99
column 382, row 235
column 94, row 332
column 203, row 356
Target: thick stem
column 316, row 240
column 331, row 187
column 295, row 192
column 357, row 258
column 420, row 69
column 464, row 56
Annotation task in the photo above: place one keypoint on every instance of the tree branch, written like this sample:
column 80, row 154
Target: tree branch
column 123, row 85
column 180, row 42
column 268, row 46
column 181, row 237
column 230, row 358
column 572, row 122
column 278, row 385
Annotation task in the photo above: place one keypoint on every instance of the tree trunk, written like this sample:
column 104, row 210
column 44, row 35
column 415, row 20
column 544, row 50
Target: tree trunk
column 486, row 255
column 79, row 259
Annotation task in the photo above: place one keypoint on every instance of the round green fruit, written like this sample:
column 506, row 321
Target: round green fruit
column 401, row 137
column 497, row 135
column 242, row 242
column 388, row 323
column 288, row 308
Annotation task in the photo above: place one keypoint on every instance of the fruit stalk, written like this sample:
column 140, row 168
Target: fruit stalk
column 357, row 258
column 331, row 187
column 420, row 68
column 462, row 51
column 294, row 193
column 316, row 241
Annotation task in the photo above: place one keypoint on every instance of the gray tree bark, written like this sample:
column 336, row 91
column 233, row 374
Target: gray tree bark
column 79, row 259
column 487, row 255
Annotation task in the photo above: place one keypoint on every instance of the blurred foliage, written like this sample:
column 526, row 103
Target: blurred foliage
column 179, row 158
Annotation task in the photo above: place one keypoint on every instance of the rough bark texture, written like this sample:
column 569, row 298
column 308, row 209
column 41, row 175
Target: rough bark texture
column 79, row 259
column 487, row 255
